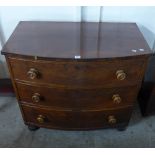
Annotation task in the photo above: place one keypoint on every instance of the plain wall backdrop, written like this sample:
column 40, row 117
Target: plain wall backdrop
column 10, row 16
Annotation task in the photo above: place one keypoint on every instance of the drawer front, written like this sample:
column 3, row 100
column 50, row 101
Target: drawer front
column 77, row 98
column 106, row 73
column 77, row 119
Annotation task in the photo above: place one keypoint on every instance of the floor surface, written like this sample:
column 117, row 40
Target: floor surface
column 13, row 132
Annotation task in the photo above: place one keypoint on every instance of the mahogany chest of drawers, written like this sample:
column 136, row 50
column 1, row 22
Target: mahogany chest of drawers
column 76, row 76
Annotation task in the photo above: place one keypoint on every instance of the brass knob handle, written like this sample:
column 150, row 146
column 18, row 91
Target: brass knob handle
column 33, row 73
column 116, row 98
column 112, row 119
column 120, row 75
column 36, row 97
column 41, row 119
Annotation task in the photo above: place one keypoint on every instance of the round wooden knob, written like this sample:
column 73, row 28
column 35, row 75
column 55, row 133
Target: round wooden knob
column 112, row 119
column 116, row 98
column 33, row 73
column 36, row 97
column 120, row 75
column 41, row 119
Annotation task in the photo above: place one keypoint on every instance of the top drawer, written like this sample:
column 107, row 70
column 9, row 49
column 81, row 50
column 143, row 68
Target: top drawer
column 78, row 73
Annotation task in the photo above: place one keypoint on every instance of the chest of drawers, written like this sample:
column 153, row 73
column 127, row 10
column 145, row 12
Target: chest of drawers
column 76, row 76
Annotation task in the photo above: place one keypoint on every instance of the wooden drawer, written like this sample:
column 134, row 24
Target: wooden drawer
column 75, row 119
column 77, row 98
column 76, row 73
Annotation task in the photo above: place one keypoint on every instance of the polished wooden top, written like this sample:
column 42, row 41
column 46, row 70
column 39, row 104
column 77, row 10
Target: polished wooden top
column 76, row 40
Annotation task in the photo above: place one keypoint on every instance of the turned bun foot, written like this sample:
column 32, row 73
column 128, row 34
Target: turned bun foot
column 33, row 127
column 121, row 128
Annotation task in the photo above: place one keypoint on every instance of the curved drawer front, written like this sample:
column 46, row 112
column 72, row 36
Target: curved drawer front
column 77, row 119
column 106, row 73
column 77, row 98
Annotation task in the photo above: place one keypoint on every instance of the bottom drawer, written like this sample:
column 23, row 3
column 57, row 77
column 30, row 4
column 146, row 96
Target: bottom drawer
column 72, row 120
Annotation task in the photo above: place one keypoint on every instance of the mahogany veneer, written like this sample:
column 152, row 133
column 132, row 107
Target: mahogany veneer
column 146, row 95
column 76, row 76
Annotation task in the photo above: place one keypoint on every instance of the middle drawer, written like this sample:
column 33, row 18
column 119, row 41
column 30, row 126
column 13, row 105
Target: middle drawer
column 76, row 98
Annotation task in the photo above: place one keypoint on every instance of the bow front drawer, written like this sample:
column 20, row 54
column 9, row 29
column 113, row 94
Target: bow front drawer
column 76, row 99
column 109, row 73
column 76, row 119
